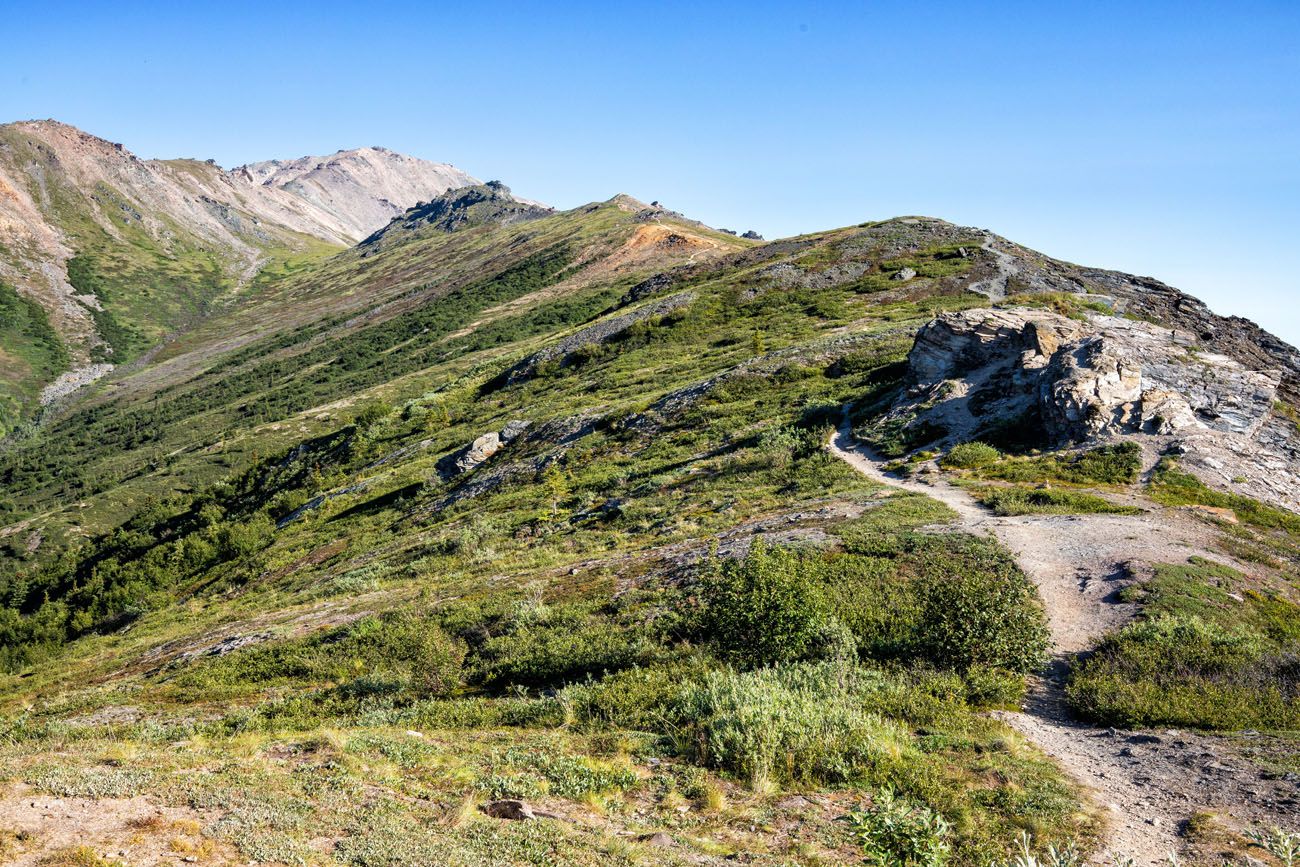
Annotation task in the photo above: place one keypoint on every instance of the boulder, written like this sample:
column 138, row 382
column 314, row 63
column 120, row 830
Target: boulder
column 515, row 810
column 518, row 811
column 481, row 449
column 657, row 839
column 1090, row 386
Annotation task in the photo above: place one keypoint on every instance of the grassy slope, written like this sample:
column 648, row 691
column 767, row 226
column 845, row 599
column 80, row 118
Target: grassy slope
column 573, row 567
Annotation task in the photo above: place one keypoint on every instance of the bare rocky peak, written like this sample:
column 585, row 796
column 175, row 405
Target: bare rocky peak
column 363, row 189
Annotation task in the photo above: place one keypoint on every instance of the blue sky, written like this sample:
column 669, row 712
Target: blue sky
column 1161, row 138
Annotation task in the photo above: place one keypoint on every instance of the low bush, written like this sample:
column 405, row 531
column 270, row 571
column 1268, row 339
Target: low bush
column 1207, row 653
column 1116, row 464
column 637, row 698
column 404, row 649
column 898, row 436
column 969, row 456
column 987, row 618
column 803, row 723
column 1018, row 500
column 897, row 833
column 765, row 609
column 553, row 645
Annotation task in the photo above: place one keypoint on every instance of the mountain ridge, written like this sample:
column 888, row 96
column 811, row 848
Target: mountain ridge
column 598, row 536
column 69, row 198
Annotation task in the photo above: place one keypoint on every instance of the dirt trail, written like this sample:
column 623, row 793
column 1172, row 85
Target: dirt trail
column 1147, row 784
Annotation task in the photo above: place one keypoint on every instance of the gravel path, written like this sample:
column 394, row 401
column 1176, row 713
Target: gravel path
column 1146, row 784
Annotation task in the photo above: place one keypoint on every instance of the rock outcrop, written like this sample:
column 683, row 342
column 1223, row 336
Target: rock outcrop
column 459, row 209
column 1079, row 381
column 480, row 450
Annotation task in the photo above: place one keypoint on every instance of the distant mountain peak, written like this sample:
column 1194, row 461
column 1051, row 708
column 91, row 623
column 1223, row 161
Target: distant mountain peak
column 363, row 188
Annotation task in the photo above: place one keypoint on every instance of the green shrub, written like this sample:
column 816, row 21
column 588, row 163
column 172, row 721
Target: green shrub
column 572, row 776
column 473, row 712
column 1207, row 653
column 984, row 618
column 969, row 456
column 897, row 436
column 896, row 833
column 245, row 538
column 1185, row 672
column 637, row 698
column 804, row 723
column 1116, row 464
column 429, row 658
column 403, row 649
column 765, row 609
column 883, row 608
column 371, row 415
column 552, row 645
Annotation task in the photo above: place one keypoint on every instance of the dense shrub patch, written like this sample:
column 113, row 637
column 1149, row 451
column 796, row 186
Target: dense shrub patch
column 800, row 723
column 969, row 456
column 1116, row 464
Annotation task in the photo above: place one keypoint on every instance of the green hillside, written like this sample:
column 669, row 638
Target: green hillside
column 513, row 504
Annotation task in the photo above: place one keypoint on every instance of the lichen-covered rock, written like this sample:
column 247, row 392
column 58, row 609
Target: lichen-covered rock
column 954, row 344
column 1107, row 375
column 1090, row 386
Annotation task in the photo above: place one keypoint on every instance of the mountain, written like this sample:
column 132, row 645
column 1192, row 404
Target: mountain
column 116, row 253
column 360, row 189
column 509, row 534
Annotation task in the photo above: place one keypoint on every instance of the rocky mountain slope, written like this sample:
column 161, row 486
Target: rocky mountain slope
column 360, row 190
column 513, row 535
column 118, row 252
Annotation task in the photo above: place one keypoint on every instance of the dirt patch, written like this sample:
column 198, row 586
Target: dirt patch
column 133, row 831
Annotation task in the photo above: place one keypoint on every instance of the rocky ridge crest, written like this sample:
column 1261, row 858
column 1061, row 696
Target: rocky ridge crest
column 1096, row 379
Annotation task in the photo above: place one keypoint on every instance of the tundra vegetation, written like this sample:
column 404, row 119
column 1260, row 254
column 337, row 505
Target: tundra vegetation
column 243, row 582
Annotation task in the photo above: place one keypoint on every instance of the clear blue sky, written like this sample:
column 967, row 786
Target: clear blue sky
column 1160, row 137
